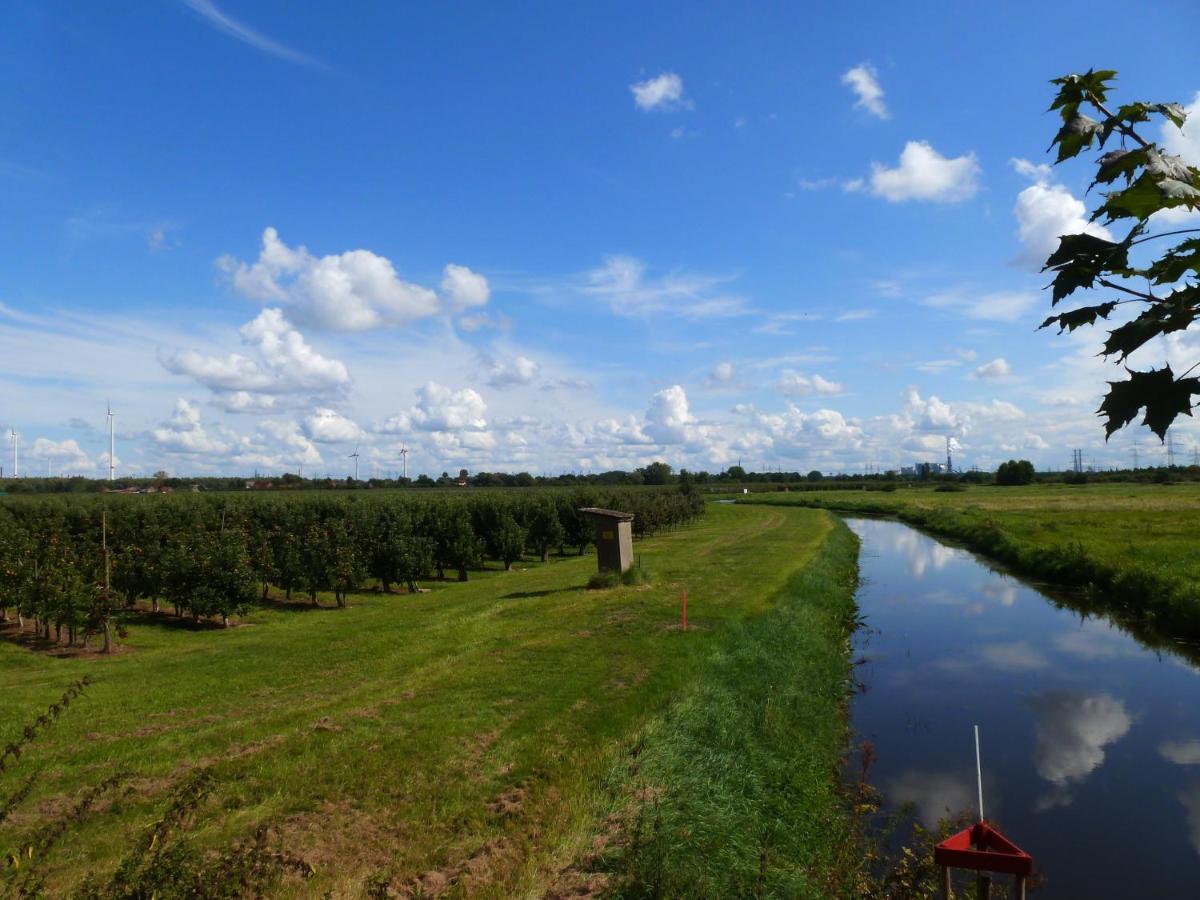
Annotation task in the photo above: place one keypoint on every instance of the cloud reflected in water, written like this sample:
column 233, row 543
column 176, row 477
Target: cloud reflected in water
column 1190, row 798
column 1184, row 753
column 919, row 552
column 1097, row 639
column 1073, row 731
column 1002, row 656
column 1001, row 590
column 934, row 795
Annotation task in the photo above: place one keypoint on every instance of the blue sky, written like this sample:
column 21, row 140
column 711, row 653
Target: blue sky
column 556, row 237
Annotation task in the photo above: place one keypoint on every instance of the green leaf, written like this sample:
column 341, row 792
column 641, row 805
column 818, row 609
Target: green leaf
column 1075, row 89
column 1168, row 166
column 1076, row 318
column 1176, row 263
column 1140, row 200
column 1077, row 133
column 1182, row 193
column 1073, row 247
column 1128, row 115
column 1133, row 113
column 1173, row 313
column 1116, row 163
column 1128, row 337
column 1081, row 258
column 1173, row 111
column 1163, row 396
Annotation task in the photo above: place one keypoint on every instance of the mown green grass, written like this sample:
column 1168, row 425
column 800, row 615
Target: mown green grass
column 462, row 738
column 1131, row 548
column 733, row 791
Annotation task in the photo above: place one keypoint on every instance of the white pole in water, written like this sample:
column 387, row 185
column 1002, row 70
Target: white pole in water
column 978, row 773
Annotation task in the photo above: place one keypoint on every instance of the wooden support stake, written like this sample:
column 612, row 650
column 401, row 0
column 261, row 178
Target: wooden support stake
column 107, row 610
column 983, row 887
column 1019, row 887
column 945, row 883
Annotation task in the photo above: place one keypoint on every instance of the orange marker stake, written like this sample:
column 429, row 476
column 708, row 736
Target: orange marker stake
column 685, row 610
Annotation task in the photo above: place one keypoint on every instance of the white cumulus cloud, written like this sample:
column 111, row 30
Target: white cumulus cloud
column 519, row 370
column 353, row 291
column 664, row 91
column 463, row 288
column 864, row 81
column 440, row 408
column 668, row 416
column 794, row 384
column 722, row 373
column 1185, row 141
column 328, row 426
column 1046, row 211
column 286, row 364
column 997, row 368
column 795, row 432
column 289, row 442
column 184, row 434
column 924, row 174
column 64, row 455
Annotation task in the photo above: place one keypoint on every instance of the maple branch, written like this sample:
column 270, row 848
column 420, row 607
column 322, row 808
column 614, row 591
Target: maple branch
column 1117, row 287
column 1153, row 237
column 1123, row 128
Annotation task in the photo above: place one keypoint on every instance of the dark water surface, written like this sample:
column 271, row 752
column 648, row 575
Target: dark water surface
column 1091, row 741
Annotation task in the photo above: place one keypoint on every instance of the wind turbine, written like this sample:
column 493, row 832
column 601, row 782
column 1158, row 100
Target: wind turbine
column 404, row 461
column 16, row 439
column 354, row 456
column 112, row 466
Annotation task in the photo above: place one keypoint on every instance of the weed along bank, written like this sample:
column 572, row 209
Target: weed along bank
column 614, row 538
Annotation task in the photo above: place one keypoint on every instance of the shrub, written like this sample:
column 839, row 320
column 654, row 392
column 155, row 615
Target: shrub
column 1015, row 472
column 632, row 576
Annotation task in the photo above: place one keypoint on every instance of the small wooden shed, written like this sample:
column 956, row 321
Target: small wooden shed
column 614, row 538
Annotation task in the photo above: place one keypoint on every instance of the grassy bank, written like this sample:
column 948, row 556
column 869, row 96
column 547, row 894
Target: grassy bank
column 1128, row 550
column 461, row 741
column 734, row 792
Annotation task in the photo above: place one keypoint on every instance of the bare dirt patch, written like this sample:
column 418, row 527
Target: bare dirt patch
column 509, row 803
column 479, row 744
column 487, row 865
column 339, row 837
column 582, row 879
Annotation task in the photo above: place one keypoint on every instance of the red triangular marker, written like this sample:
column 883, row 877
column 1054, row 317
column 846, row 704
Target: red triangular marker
column 983, row 848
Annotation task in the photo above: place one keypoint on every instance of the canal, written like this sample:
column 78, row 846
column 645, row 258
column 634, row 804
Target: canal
column 1091, row 741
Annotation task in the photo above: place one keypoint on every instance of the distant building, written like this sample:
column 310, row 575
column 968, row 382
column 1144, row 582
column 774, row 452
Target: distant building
column 924, row 470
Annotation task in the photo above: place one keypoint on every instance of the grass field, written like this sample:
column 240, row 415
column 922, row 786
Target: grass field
column 1134, row 549
column 502, row 737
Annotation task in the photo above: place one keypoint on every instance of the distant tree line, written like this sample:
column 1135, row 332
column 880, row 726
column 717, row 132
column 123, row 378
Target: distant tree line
column 654, row 474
